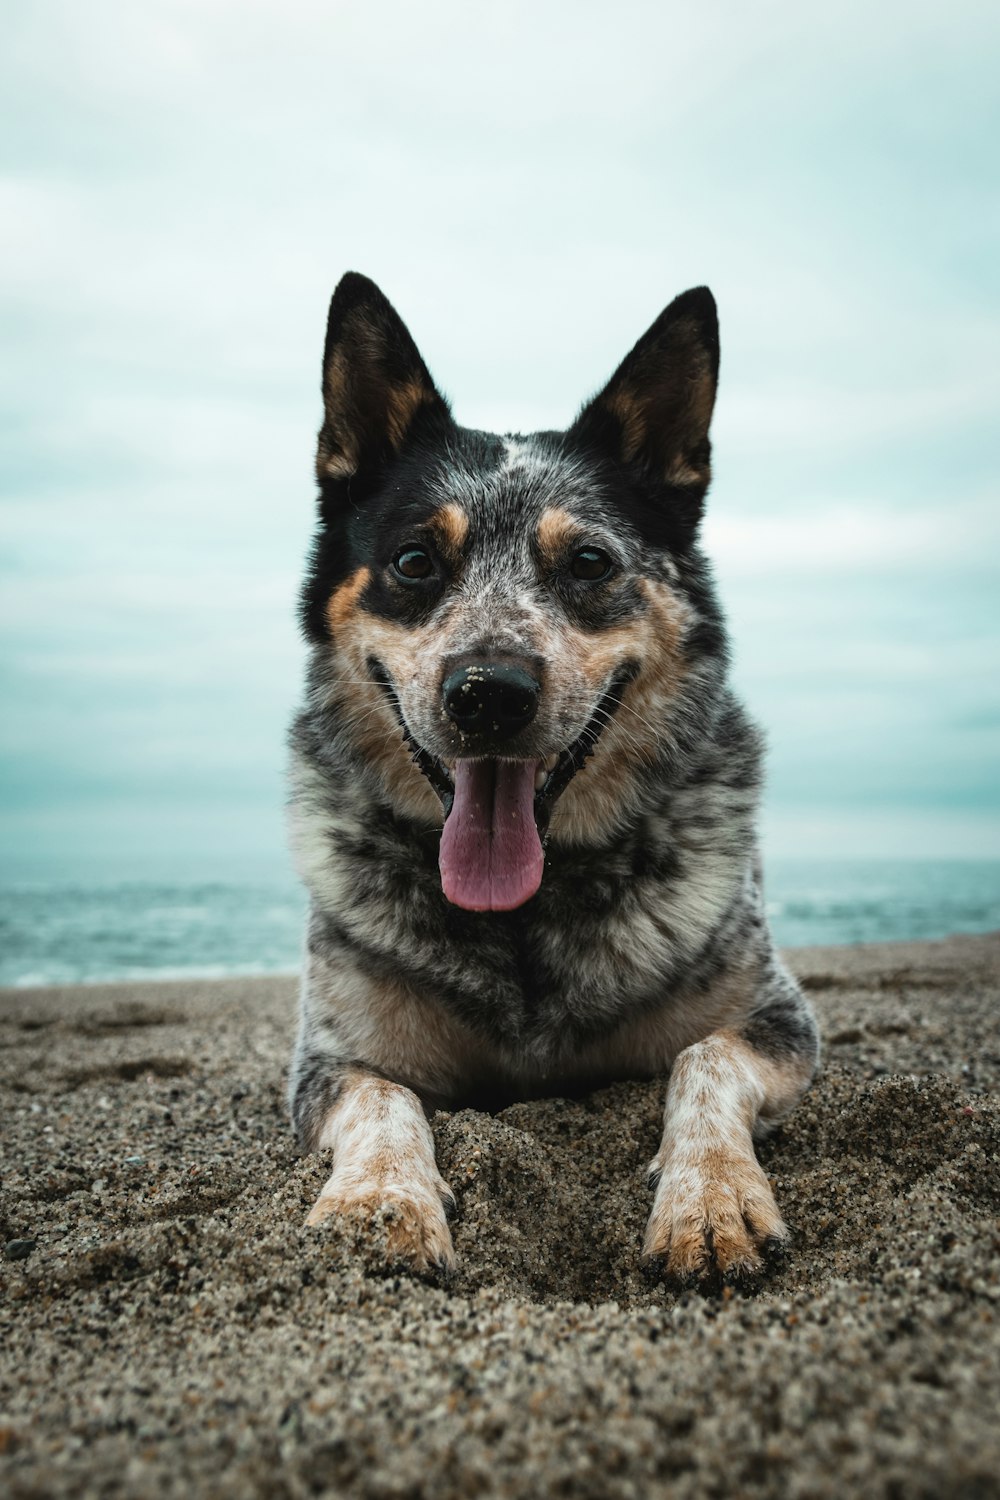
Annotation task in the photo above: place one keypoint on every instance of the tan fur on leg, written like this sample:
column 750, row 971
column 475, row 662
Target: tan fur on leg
column 714, row 1210
column 384, row 1158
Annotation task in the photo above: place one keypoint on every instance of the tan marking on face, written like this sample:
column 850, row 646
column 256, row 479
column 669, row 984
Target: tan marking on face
column 344, row 600
column 379, row 740
column 450, row 525
column 640, row 718
column 592, row 803
column 411, row 655
column 580, row 665
column 557, row 529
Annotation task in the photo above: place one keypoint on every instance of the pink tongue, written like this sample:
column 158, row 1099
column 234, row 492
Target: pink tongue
column 491, row 855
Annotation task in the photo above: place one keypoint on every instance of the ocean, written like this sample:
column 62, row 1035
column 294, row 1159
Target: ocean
column 61, row 932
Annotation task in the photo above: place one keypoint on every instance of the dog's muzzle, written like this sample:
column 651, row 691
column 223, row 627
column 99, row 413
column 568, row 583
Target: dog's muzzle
column 497, row 807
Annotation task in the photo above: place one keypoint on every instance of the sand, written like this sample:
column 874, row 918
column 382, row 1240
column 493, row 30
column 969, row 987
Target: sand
column 170, row 1328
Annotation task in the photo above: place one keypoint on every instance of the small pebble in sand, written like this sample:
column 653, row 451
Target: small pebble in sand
column 18, row 1249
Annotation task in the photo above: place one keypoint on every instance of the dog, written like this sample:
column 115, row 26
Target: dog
column 523, row 795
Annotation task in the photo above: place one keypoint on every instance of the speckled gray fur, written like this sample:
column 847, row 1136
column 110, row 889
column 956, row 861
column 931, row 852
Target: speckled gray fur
column 651, row 927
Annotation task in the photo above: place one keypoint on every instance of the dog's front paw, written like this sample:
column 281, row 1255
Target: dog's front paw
column 714, row 1218
column 411, row 1216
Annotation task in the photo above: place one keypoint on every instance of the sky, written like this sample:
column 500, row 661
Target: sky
column 183, row 182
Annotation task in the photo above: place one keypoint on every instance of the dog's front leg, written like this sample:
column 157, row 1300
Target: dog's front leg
column 383, row 1157
column 714, row 1214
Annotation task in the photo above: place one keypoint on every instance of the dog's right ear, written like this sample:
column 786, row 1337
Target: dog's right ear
column 375, row 385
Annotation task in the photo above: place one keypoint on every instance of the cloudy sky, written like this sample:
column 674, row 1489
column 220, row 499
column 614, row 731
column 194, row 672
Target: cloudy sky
column 183, row 182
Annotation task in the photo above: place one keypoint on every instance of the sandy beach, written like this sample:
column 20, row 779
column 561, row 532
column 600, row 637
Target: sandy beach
column 169, row 1327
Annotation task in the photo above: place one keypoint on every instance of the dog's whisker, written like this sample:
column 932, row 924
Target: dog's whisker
column 642, row 752
column 637, row 715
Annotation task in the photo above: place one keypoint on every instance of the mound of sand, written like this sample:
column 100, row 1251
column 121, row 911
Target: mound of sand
column 170, row 1328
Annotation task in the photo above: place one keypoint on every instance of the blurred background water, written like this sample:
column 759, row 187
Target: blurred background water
column 92, row 929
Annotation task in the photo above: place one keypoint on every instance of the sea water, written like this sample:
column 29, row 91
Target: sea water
column 78, row 932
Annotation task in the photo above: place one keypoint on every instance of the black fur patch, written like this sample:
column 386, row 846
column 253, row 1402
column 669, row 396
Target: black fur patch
column 783, row 1031
column 318, row 1084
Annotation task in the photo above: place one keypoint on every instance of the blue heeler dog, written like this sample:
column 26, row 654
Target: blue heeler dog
column 523, row 794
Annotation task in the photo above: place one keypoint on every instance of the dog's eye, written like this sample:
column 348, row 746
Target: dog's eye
column 413, row 563
column 591, row 564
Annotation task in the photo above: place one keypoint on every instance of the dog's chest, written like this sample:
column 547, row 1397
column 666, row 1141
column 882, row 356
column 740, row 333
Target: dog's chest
column 609, row 934
column 557, row 973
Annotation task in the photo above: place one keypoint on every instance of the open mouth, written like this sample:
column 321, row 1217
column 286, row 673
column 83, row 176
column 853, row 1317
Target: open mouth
column 497, row 811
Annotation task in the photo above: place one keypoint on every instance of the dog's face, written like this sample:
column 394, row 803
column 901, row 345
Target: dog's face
column 502, row 624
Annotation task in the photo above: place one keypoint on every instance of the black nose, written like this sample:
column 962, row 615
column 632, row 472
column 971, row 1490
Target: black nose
column 491, row 698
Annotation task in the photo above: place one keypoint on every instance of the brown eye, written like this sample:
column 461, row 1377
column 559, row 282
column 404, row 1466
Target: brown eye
column 413, row 563
column 591, row 564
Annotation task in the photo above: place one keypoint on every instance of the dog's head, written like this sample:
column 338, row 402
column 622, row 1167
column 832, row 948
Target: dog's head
column 504, row 627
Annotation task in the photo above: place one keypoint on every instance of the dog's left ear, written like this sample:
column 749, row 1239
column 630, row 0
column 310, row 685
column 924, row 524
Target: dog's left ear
column 654, row 412
column 375, row 385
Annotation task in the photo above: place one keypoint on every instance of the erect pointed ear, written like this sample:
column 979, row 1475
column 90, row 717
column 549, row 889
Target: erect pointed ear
column 375, row 385
column 656, row 408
